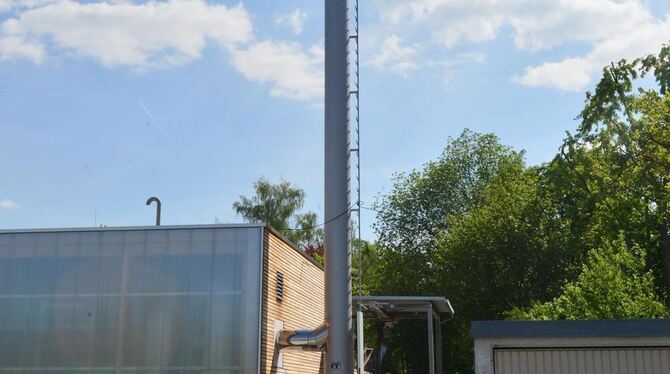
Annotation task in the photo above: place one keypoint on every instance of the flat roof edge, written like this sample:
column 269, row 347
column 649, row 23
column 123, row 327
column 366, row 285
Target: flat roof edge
column 165, row 227
column 440, row 303
column 134, row 228
column 570, row 328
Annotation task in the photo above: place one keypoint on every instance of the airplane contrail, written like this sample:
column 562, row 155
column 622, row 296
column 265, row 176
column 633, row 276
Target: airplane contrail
column 151, row 117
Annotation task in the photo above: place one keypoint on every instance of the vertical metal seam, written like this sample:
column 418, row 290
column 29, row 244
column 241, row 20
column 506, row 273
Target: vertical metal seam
column 431, row 341
column 211, row 300
column 260, row 298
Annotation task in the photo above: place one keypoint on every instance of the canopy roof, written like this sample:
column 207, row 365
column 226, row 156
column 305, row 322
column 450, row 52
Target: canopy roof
column 403, row 307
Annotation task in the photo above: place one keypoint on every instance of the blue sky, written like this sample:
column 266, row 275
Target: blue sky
column 105, row 103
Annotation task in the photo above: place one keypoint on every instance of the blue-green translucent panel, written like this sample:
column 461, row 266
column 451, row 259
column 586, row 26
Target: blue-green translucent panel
column 135, row 301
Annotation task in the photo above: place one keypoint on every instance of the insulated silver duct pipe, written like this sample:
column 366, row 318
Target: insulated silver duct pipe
column 339, row 355
column 306, row 340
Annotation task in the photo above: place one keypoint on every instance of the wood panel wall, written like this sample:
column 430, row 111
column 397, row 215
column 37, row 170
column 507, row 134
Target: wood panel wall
column 302, row 306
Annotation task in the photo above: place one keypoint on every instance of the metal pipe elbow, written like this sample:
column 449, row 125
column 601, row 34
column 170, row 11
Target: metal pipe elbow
column 306, row 340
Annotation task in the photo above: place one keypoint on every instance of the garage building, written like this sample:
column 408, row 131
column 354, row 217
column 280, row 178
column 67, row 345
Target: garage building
column 572, row 347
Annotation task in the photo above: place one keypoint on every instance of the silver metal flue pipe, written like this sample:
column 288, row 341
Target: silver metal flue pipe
column 339, row 355
column 337, row 332
column 306, row 340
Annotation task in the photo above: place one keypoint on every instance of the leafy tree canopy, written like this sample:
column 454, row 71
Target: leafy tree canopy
column 279, row 206
column 416, row 212
column 507, row 252
column 612, row 175
column 586, row 235
column 614, row 284
column 462, row 227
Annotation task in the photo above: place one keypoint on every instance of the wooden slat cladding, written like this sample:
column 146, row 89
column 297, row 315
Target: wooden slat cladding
column 302, row 306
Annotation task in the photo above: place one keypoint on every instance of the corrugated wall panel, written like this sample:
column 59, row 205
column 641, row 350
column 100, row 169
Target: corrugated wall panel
column 643, row 360
column 150, row 300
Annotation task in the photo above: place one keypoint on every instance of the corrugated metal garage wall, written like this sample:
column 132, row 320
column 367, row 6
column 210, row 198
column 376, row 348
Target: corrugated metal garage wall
column 607, row 360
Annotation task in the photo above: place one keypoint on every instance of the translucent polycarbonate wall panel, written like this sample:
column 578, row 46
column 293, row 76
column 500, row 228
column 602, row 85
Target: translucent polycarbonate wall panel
column 126, row 301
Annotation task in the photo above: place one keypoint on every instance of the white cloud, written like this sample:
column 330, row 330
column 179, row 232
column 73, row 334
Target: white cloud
column 5, row 5
column 474, row 29
column 9, row 5
column 12, row 47
column 290, row 71
column 471, row 57
column 449, row 68
column 575, row 73
column 155, row 34
column 7, row 203
column 123, row 33
column 579, row 21
column 536, row 23
column 295, row 20
column 395, row 57
column 401, row 59
column 613, row 29
column 571, row 74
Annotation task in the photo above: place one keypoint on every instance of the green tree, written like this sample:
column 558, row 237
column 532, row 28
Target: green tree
column 413, row 215
column 611, row 176
column 508, row 252
column 614, row 284
column 369, row 259
column 279, row 206
column 494, row 235
column 436, row 234
column 308, row 232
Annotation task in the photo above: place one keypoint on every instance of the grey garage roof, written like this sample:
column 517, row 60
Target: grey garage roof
column 593, row 328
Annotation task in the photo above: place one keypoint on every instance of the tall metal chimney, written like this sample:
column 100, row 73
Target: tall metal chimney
column 339, row 355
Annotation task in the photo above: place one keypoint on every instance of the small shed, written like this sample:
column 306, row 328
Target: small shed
column 572, row 347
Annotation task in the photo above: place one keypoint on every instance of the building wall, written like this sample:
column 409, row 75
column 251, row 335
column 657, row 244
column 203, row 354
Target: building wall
column 573, row 355
column 126, row 300
column 302, row 306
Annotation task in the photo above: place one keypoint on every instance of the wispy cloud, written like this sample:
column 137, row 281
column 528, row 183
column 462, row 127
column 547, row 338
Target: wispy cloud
column 9, row 5
column 397, row 57
column 610, row 29
column 18, row 47
column 7, row 203
column 394, row 56
column 294, row 20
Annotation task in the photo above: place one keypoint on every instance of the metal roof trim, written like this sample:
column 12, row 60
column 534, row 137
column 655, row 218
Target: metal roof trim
column 133, row 228
column 570, row 328
column 440, row 304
